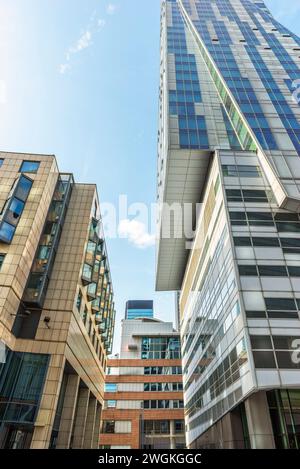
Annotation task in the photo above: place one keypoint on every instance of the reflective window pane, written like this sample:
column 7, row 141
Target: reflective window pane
column 7, row 232
column 29, row 166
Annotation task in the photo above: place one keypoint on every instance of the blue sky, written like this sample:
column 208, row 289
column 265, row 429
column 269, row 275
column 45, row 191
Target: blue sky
column 79, row 79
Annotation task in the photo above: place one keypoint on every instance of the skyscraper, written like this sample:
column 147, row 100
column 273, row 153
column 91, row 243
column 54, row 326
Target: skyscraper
column 139, row 309
column 229, row 168
column 57, row 311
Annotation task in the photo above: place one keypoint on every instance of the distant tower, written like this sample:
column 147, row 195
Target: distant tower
column 139, row 309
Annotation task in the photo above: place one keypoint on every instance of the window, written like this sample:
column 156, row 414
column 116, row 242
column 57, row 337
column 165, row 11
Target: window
column 290, row 245
column 278, row 304
column 238, row 218
column 160, row 348
column 109, row 426
column 281, row 308
column 153, row 370
column 272, row 271
column 178, row 404
column 23, row 188
column 13, row 208
column 284, row 342
column 157, row 427
column 177, row 387
column 237, row 195
column 241, row 171
column 248, row 270
column 1, row 162
column 14, row 211
column 260, row 218
column 288, row 227
column 256, row 314
column 110, row 387
column 264, row 359
column 265, row 242
column 84, row 315
column 111, row 404
column 22, row 379
column 7, row 232
column 234, row 195
column 30, row 167
column 179, row 426
column 261, row 342
column 79, row 301
column 156, row 404
column 176, row 370
column 284, row 360
column 2, row 257
column 287, row 222
column 242, row 241
column 294, row 271
column 87, row 272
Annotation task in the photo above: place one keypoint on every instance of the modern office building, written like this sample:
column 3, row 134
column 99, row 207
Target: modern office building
column 228, row 150
column 139, row 309
column 56, row 307
column 144, row 397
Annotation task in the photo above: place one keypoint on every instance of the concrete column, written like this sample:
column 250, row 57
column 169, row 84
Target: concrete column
column 259, row 421
column 90, row 423
column 68, row 413
column 81, row 418
column 95, row 444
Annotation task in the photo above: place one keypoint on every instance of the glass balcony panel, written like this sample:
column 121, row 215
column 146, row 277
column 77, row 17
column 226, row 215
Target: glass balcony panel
column 90, row 253
column 34, row 286
column 87, row 273
column 55, row 211
column 40, row 265
column 91, row 291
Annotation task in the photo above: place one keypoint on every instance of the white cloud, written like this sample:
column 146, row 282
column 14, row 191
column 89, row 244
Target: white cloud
column 101, row 23
column 136, row 233
column 85, row 41
column 63, row 68
column 111, row 9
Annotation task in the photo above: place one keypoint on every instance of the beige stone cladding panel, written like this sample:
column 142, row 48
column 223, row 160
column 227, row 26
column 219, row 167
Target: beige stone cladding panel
column 81, row 354
column 20, row 253
column 63, row 286
column 9, row 303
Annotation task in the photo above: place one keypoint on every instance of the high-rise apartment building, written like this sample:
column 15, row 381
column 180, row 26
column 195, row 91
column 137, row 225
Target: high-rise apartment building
column 139, row 309
column 229, row 148
column 56, row 308
column 144, row 397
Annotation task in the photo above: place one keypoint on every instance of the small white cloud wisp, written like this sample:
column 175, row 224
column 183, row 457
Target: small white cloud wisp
column 83, row 42
column 111, row 9
column 135, row 231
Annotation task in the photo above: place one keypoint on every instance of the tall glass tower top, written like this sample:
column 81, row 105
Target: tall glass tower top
column 229, row 76
column 229, row 148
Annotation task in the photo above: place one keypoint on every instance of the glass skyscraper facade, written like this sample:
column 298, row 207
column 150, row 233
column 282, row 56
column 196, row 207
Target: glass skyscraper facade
column 229, row 143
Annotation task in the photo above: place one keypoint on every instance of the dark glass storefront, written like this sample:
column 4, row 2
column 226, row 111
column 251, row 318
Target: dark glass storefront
column 285, row 415
column 22, row 378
